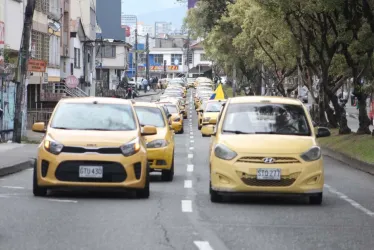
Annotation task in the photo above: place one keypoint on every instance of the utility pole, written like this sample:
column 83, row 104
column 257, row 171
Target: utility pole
column 147, row 57
column 234, row 81
column 188, row 54
column 102, row 47
column 21, row 75
column 136, row 54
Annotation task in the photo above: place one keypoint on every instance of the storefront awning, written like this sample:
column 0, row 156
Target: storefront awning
column 200, row 69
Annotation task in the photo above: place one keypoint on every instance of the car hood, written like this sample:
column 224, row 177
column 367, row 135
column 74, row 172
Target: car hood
column 161, row 134
column 211, row 115
column 268, row 144
column 86, row 138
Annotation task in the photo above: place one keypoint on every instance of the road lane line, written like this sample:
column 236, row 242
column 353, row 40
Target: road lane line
column 12, row 187
column 65, row 201
column 203, row 245
column 187, row 184
column 349, row 200
column 191, row 133
column 191, row 148
column 191, row 137
column 192, row 141
column 190, row 156
column 190, row 168
column 186, row 206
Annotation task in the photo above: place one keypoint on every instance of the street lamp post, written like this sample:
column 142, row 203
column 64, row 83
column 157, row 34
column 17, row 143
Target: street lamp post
column 131, row 19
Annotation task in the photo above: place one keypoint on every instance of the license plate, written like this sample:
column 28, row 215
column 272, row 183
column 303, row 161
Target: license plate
column 91, row 172
column 268, row 174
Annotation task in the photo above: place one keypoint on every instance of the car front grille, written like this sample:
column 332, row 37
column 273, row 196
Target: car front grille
column 112, row 171
column 81, row 150
column 277, row 160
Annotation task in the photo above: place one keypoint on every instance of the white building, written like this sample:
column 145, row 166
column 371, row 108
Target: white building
column 198, row 62
column 113, row 58
column 173, row 58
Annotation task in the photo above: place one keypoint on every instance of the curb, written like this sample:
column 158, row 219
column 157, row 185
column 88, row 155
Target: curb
column 156, row 93
column 16, row 168
column 350, row 161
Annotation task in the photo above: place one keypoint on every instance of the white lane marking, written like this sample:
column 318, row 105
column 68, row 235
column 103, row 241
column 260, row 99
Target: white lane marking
column 187, row 184
column 12, row 187
column 191, row 133
column 190, row 168
column 191, row 137
column 349, row 200
column 65, row 201
column 190, row 156
column 191, row 148
column 192, row 141
column 187, row 206
column 203, row 245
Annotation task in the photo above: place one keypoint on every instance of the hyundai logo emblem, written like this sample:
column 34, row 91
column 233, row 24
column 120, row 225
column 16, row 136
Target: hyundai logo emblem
column 268, row 160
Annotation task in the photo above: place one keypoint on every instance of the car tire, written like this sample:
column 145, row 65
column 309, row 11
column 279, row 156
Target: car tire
column 215, row 197
column 168, row 175
column 144, row 193
column 36, row 189
column 316, row 199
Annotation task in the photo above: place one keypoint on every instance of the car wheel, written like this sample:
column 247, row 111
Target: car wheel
column 168, row 175
column 144, row 193
column 36, row 189
column 214, row 195
column 316, row 199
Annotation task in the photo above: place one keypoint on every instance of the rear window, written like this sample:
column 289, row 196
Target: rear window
column 89, row 116
column 172, row 109
column 213, row 106
column 150, row 116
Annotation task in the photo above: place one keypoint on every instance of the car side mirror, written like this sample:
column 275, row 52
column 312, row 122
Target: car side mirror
column 39, row 127
column 213, row 121
column 169, row 115
column 323, row 132
column 149, row 130
column 200, row 110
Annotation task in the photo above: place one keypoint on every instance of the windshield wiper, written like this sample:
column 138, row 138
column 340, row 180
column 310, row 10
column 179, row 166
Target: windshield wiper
column 61, row 128
column 238, row 132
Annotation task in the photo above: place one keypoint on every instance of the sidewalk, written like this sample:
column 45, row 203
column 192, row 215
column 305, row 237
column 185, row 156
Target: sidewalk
column 16, row 157
column 149, row 93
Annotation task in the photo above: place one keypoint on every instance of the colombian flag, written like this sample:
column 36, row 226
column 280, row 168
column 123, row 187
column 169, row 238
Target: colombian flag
column 218, row 94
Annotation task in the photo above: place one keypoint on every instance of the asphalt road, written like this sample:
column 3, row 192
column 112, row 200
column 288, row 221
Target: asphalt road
column 179, row 215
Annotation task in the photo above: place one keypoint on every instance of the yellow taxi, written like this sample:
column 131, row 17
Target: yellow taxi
column 92, row 143
column 266, row 145
column 210, row 111
column 200, row 114
column 160, row 147
column 176, row 119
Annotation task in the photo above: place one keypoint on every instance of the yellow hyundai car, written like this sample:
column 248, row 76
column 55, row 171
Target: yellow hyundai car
column 266, row 145
column 160, row 147
column 210, row 113
column 176, row 119
column 92, row 143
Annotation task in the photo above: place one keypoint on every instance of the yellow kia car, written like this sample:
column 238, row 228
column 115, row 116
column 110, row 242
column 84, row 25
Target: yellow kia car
column 160, row 147
column 176, row 118
column 92, row 143
column 210, row 115
column 266, row 145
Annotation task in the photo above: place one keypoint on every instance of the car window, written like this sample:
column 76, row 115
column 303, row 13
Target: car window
column 172, row 108
column 89, row 116
column 266, row 119
column 213, row 107
column 150, row 116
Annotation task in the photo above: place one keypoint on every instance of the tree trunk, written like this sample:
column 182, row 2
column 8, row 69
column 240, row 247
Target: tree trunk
column 333, row 122
column 321, row 106
column 364, row 121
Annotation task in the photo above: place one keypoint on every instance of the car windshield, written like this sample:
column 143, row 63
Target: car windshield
column 253, row 118
column 172, row 109
column 89, row 116
column 150, row 116
column 213, row 107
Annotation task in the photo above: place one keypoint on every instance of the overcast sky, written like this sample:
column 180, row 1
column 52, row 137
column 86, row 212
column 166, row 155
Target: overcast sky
column 150, row 11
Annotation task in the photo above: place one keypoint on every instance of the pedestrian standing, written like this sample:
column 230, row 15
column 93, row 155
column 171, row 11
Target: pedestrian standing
column 145, row 84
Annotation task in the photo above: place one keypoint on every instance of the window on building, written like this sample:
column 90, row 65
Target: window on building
column 54, row 8
column 203, row 57
column 54, row 51
column 176, row 57
column 42, row 6
column 190, row 57
column 77, row 58
column 107, row 51
column 141, row 59
column 92, row 19
column 159, row 59
column 40, row 45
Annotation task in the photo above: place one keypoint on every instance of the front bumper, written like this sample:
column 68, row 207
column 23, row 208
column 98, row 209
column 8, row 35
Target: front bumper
column 160, row 158
column 56, row 171
column 238, row 177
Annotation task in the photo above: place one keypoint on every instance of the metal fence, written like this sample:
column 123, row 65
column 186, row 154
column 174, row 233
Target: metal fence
column 38, row 116
column 7, row 105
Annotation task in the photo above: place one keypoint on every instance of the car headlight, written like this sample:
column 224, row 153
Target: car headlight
column 313, row 154
column 52, row 146
column 206, row 119
column 223, row 152
column 131, row 147
column 157, row 144
column 177, row 119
